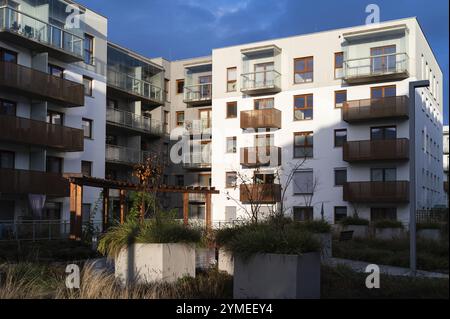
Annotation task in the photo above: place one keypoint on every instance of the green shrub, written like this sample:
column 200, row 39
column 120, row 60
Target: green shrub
column 428, row 226
column 354, row 221
column 315, row 226
column 388, row 223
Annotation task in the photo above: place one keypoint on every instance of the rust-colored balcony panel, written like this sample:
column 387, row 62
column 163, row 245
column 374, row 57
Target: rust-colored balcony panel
column 260, row 193
column 267, row 118
column 261, row 156
column 393, row 107
column 15, row 181
column 376, row 150
column 377, row 192
column 40, row 85
column 38, row 133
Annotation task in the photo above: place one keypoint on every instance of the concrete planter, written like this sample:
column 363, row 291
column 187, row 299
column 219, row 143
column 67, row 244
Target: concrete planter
column 205, row 258
column 326, row 241
column 359, row 231
column 226, row 261
column 145, row 263
column 388, row 233
column 433, row 234
column 275, row 276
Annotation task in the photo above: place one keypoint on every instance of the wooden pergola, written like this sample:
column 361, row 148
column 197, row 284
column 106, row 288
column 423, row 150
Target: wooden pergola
column 76, row 199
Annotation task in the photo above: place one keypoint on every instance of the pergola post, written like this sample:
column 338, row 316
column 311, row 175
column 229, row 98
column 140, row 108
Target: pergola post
column 122, row 206
column 76, row 211
column 186, row 208
column 208, row 211
column 105, row 208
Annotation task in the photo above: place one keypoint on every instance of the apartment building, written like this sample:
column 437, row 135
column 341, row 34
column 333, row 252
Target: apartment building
column 445, row 162
column 52, row 106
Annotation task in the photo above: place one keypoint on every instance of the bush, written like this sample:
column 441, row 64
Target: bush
column 420, row 226
column 354, row 221
column 315, row 226
column 388, row 223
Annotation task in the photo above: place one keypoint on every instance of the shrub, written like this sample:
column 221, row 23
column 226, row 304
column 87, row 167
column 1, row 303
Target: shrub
column 388, row 223
column 315, row 226
column 428, row 226
column 354, row 221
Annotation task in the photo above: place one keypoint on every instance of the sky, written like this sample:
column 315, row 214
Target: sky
column 178, row 29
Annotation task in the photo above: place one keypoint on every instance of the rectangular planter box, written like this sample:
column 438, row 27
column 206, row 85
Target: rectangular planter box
column 205, row 258
column 275, row 276
column 359, row 231
column 226, row 262
column 326, row 241
column 433, row 234
column 145, row 263
column 388, row 233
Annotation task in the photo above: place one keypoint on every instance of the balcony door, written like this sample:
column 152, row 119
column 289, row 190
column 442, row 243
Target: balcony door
column 205, row 118
column 263, row 104
column 264, row 74
column 264, row 140
column 383, row 133
column 264, row 178
column 383, row 59
column 205, row 86
column 383, row 91
column 383, row 174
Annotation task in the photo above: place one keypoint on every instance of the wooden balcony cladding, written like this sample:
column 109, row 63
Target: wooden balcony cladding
column 377, row 150
column 40, row 85
column 260, row 193
column 393, row 107
column 267, row 118
column 38, row 133
column 377, row 192
column 15, row 181
column 261, row 156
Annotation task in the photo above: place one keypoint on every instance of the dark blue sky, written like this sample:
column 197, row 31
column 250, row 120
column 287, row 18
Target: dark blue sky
column 177, row 29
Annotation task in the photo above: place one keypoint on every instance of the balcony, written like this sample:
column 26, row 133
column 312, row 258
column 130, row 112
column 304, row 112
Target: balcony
column 376, row 150
column 198, row 95
column 260, row 193
column 38, row 133
column 25, row 30
column 131, row 121
column 125, row 155
column 264, row 82
column 261, row 156
column 377, row 192
column 40, row 85
column 393, row 107
column 199, row 127
column 16, row 181
column 197, row 160
column 386, row 67
column 266, row 118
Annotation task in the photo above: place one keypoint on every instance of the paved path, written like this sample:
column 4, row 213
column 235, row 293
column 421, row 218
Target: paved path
column 360, row 266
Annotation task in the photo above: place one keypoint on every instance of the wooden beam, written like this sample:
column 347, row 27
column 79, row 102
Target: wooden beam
column 208, row 211
column 105, row 208
column 73, row 198
column 186, row 208
column 122, row 205
column 79, row 212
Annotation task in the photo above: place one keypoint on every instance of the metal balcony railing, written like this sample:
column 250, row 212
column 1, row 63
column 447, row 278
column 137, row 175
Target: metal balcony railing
column 261, row 156
column 266, row 118
column 260, row 193
column 198, row 93
column 375, row 150
column 134, row 121
column 377, row 192
column 201, row 126
column 197, row 160
column 268, row 81
column 125, row 155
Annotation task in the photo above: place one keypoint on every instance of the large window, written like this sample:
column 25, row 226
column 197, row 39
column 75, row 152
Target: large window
column 383, row 59
column 54, row 164
column 383, row 174
column 6, row 159
column 231, row 79
column 231, row 110
column 339, row 98
column 303, row 107
column 303, row 182
column 86, row 168
column 7, row 107
column 340, row 137
column 383, row 133
column 340, row 176
column 87, row 81
column 263, row 74
column 231, row 144
column 303, row 144
column 302, row 213
column 340, row 212
column 338, row 65
column 381, row 213
column 87, row 128
column 56, row 118
column 230, row 179
column 383, row 91
column 262, row 104
column 303, row 70
column 180, row 118
column 56, row 71
column 88, row 49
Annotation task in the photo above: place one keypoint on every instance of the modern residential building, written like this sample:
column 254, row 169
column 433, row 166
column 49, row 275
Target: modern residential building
column 52, row 106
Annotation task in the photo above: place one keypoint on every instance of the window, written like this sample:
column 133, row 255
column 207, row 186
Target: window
column 56, row 71
column 8, row 56
column 230, row 213
column 303, row 144
column 86, row 168
column 231, row 144
column 264, row 178
column 87, row 128
column 230, row 179
column 6, row 159
column 87, row 82
column 383, row 59
column 88, row 49
column 54, row 164
column 166, row 121
column 303, row 182
column 338, row 65
column 231, row 79
column 340, row 176
column 263, row 104
column 383, row 133
column 205, row 118
column 383, row 174
column 380, row 213
column 383, row 91
column 264, row 75
column 231, row 110
column 303, row 213
column 264, row 140
column 180, row 86
column 303, row 107
column 303, row 70
column 56, row 118
column 340, row 137
column 86, row 212
column 339, row 98
column 166, row 89
column 7, row 107
column 340, row 212
column 180, row 180
column 180, row 118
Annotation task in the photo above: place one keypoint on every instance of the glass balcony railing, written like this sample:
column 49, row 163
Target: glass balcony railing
column 269, row 81
column 34, row 29
column 197, row 160
column 134, row 86
column 201, row 126
column 134, row 121
column 198, row 93
column 125, row 155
